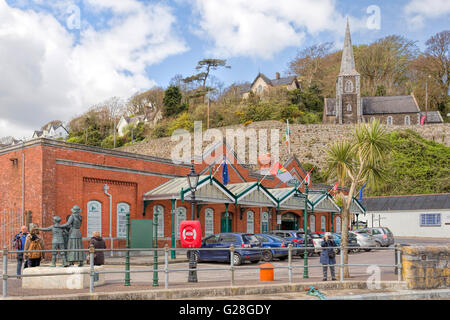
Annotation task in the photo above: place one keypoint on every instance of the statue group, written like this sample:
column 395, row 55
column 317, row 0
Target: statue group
column 67, row 236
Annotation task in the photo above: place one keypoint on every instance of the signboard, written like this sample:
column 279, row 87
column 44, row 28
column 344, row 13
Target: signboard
column 191, row 234
column 209, row 222
column 122, row 210
column 94, row 217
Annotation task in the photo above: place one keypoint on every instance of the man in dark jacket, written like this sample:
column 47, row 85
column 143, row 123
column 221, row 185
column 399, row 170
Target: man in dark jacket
column 19, row 245
column 328, row 256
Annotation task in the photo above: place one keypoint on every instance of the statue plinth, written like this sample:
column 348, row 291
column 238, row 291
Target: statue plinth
column 71, row 278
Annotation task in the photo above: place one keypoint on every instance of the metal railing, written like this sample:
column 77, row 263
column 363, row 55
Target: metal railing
column 166, row 270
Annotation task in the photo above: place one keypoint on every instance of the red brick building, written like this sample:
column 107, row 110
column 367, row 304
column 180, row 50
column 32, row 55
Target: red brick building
column 49, row 177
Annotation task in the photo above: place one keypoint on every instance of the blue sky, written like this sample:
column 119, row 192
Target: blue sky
column 61, row 57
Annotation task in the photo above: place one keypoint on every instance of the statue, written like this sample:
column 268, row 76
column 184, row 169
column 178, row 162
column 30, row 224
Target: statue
column 57, row 241
column 75, row 240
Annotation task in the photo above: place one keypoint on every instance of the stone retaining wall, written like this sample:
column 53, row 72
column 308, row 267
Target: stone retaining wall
column 426, row 267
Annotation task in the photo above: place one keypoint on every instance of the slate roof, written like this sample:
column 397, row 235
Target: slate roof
column 410, row 202
column 274, row 82
column 380, row 105
column 433, row 117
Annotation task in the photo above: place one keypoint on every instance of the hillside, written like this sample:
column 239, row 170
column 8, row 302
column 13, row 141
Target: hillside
column 309, row 143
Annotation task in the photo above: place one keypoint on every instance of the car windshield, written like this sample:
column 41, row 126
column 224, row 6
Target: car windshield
column 387, row 230
column 250, row 238
column 315, row 235
column 276, row 238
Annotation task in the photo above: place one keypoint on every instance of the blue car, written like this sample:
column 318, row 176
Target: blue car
column 274, row 245
column 221, row 242
column 297, row 237
column 352, row 241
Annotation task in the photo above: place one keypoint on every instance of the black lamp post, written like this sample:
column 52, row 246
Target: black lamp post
column 192, row 178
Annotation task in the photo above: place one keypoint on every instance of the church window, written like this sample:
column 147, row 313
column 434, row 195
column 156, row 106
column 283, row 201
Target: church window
column 389, row 120
column 349, row 108
column 348, row 86
column 407, row 121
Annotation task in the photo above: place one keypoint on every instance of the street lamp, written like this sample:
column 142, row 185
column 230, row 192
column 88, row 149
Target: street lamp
column 192, row 178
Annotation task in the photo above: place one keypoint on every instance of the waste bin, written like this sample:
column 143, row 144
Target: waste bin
column 266, row 274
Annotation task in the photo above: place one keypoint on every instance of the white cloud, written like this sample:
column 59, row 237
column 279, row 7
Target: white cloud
column 417, row 11
column 262, row 28
column 49, row 72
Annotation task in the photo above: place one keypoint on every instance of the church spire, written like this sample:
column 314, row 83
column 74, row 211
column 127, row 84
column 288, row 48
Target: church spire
column 348, row 59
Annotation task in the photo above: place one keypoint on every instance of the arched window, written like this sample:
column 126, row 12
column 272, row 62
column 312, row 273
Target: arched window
column 94, row 217
column 312, row 223
column 250, row 222
column 180, row 215
column 372, row 119
column 122, row 210
column 260, row 88
column 209, row 222
column 349, row 108
column 348, row 86
column 264, row 222
column 158, row 209
column 338, row 225
column 389, row 120
column 323, row 224
column 407, row 121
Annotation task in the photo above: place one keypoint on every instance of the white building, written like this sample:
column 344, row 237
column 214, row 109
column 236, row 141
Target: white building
column 52, row 132
column 410, row 216
column 125, row 121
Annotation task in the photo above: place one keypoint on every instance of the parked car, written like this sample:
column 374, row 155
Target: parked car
column 317, row 239
column 365, row 240
column 382, row 235
column 352, row 242
column 223, row 241
column 273, row 244
column 296, row 237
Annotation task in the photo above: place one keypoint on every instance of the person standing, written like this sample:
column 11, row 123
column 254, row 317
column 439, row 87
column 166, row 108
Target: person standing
column 99, row 243
column 34, row 242
column 19, row 245
column 328, row 256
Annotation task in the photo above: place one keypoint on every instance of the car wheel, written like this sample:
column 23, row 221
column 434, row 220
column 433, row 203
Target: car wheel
column 367, row 250
column 378, row 245
column 237, row 259
column 267, row 255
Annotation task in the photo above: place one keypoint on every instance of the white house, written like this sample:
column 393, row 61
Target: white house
column 125, row 121
column 52, row 131
column 425, row 215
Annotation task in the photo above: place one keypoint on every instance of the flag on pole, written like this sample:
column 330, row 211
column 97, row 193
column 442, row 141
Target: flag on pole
column 422, row 120
column 308, row 177
column 225, row 177
column 280, row 172
column 360, row 192
column 335, row 187
column 288, row 136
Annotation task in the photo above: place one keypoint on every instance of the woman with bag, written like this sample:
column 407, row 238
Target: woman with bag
column 34, row 242
column 99, row 243
column 328, row 256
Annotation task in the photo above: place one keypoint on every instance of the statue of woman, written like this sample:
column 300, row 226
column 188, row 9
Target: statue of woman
column 75, row 240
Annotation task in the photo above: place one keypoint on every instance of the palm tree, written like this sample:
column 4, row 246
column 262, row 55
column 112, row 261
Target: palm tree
column 355, row 162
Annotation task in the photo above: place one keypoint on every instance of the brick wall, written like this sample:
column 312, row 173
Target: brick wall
column 426, row 267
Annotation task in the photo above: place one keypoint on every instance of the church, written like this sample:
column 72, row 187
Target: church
column 349, row 107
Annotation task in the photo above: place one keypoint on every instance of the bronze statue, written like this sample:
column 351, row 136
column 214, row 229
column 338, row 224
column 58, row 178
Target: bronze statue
column 75, row 240
column 57, row 241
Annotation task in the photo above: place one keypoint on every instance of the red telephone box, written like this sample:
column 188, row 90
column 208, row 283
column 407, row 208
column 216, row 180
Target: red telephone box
column 191, row 234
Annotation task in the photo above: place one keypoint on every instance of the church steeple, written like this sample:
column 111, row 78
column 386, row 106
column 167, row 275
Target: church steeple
column 348, row 59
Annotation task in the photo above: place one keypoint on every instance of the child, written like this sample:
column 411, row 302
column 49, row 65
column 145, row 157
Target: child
column 57, row 241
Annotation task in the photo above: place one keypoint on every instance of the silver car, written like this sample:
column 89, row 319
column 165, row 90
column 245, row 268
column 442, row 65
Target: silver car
column 382, row 235
column 365, row 240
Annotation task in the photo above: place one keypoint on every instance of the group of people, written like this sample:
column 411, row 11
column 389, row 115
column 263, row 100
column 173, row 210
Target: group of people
column 32, row 241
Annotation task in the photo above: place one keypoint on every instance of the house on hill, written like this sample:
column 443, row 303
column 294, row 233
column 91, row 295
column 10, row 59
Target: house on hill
column 349, row 107
column 9, row 141
column 125, row 121
column 262, row 84
column 52, row 131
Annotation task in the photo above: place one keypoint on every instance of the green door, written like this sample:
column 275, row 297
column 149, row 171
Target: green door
column 225, row 226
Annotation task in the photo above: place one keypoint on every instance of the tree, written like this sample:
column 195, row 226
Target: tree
column 172, row 101
column 149, row 100
column 356, row 162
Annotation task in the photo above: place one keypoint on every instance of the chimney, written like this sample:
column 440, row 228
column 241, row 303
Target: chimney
column 277, row 75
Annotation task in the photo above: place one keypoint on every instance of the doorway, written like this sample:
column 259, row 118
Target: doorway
column 225, row 226
column 289, row 221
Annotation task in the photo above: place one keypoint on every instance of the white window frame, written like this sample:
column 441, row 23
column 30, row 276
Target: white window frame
column 97, row 217
column 312, row 223
column 338, row 223
column 160, row 230
column 349, row 107
column 180, row 215
column 264, row 219
column 407, row 120
column 323, row 223
column 250, row 222
column 389, row 121
column 348, row 86
column 209, row 222
column 121, row 212
column 426, row 220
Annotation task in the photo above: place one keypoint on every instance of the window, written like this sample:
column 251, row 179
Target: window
column 159, row 210
column 430, row 220
column 312, row 223
column 407, row 121
column 122, row 210
column 348, row 86
column 180, row 215
column 94, row 217
column 264, row 222
column 212, row 239
column 209, row 221
column 338, row 225
column 260, row 89
column 228, row 238
column 261, row 238
column 250, row 222
column 349, row 108
column 389, row 120
column 323, row 223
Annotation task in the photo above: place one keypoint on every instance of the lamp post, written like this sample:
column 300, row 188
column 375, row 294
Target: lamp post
column 305, row 229
column 192, row 178
column 155, row 245
column 127, row 257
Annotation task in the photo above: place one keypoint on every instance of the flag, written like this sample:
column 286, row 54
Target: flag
column 422, row 120
column 280, row 172
column 308, row 177
column 225, row 177
column 335, row 187
column 360, row 192
column 288, row 136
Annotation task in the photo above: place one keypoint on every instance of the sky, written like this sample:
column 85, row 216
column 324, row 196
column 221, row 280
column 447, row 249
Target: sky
column 58, row 58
